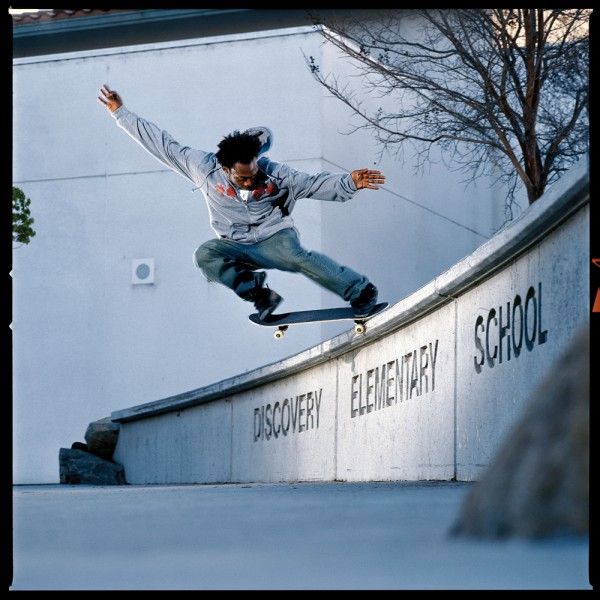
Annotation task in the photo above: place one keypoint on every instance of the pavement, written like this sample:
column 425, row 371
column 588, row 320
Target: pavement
column 375, row 535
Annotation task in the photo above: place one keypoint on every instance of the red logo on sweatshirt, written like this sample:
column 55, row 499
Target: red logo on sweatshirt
column 220, row 189
column 264, row 190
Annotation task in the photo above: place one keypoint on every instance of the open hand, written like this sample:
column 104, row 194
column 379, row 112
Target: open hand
column 365, row 178
column 109, row 98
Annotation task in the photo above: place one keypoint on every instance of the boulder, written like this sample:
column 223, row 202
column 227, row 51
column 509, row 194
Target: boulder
column 537, row 485
column 78, row 466
column 101, row 437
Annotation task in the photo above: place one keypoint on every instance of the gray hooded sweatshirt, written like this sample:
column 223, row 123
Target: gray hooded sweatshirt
column 268, row 207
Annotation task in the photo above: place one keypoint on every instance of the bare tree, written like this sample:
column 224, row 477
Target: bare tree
column 501, row 92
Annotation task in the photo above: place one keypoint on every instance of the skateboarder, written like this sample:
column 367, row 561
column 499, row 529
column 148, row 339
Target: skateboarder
column 249, row 199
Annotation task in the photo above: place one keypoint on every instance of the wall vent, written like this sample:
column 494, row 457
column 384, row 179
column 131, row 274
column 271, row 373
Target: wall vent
column 142, row 271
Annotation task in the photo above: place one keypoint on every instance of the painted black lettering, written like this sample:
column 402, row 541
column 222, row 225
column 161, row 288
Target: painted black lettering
column 394, row 381
column 423, row 364
column 503, row 331
column 277, row 429
column 405, row 370
column 369, row 390
column 380, row 388
column 309, row 408
column 516, row 346
column 318, row 403
column 433, row 354
column 542, row 335
column 300, row 400
column 361, row 408
column 353, row 394
column 294, row 412
column 414, row 376
column 521, row 321
column 479, row 363
column 399, row 379
column 285, row 428
column 490, row 357
column 530, row 301
column 257, row 430
column 268, row 423
column 390, row 398
column 272, row 420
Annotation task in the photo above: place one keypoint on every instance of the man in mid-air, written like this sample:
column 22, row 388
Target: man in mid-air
column 249, row 199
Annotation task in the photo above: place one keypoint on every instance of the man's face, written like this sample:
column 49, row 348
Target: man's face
column 243, row 175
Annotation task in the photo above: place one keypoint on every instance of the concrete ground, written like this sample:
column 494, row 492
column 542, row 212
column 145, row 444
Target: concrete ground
column 271, row 536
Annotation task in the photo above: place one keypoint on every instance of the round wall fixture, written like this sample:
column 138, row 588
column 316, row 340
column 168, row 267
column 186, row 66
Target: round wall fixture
column 142, row 271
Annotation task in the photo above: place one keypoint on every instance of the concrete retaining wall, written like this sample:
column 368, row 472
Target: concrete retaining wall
column 427, row 393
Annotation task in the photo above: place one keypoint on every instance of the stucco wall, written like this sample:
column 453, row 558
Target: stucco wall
column 86, row 341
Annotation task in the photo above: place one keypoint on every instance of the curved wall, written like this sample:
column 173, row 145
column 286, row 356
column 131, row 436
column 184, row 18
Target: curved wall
column 427, row 393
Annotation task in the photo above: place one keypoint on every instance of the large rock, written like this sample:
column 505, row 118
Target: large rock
column 101, row 437
column 538, row 483
column 78, row 466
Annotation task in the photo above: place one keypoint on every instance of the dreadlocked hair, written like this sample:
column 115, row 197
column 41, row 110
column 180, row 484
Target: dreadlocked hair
column 238, row 147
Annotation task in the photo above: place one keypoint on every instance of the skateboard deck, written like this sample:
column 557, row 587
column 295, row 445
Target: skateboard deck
column 283, row 320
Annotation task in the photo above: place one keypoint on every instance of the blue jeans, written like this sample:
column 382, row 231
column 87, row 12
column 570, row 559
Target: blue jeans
column 235, row 265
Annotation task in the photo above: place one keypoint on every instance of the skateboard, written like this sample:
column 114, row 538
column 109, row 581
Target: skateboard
column 283, row 320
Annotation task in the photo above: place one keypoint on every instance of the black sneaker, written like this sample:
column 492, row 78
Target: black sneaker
column 367, row 300
column 266, row 301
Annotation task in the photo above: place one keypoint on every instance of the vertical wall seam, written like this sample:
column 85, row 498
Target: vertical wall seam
column 335, row 420
column 455, row 441
column 230, row 441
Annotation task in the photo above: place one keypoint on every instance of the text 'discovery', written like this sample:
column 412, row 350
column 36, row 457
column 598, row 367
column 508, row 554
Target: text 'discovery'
column 295, row 414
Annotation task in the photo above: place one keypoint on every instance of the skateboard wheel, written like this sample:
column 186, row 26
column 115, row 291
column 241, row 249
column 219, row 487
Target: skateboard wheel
column 359, row 328
column 279, row 334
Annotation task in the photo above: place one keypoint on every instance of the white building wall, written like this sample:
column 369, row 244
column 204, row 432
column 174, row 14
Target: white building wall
column 86, row 341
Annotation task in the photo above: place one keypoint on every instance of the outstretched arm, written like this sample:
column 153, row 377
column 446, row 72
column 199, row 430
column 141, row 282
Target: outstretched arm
column 184, row 160
column 335, row 187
